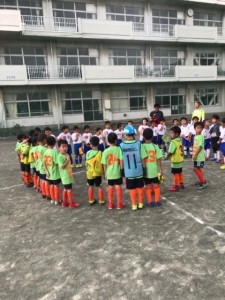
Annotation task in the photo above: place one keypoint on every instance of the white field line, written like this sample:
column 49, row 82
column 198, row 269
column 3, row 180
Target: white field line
column 196, row 219
column 12, row 186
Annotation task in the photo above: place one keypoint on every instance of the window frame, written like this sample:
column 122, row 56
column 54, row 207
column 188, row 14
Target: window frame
column 205, row 90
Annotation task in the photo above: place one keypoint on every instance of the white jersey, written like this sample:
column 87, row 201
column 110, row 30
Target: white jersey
column 185, row 130
column 141, row 129
column 192, row 130
column 105, row 134
column 205, row 133
column 161, row 129
column 77, row 138
column 65, row 136
column 222, row 134
column 155, row 131
column 86, row 138
column 100, row 139
column 119, row 134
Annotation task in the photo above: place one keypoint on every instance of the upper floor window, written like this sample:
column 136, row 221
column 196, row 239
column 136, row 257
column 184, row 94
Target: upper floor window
column 27, row 7
column 123, row 56
column 125, row 13
column 205, row 58
column 73, row 56
column 208, row 96
column 208, row 19
column 74, row 10
column 168, row 57
column 163, row 20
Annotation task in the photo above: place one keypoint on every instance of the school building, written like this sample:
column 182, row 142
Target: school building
column 67, row 62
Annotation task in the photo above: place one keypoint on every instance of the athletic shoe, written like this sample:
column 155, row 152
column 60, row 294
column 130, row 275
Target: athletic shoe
column 72, row 165
column 77, row 166
column 134, row 207
column 202, row 185
column 222, row 167
column 80, row 166
column 110, row 206
column 74, row 205
column 56, row 203
column 92, row 202
column 140, row 205
column 150, row 204
column 120, row 206
column 181, row 187
column 49, row 198
column 52, row 201
column 197, row 184
column 30, row 185
column 101, row 202
column 157, row 204
column 65, row 204
column 174, row 189
column 43, row 196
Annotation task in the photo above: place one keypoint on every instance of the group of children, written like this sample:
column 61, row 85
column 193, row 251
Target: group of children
column 46, row 160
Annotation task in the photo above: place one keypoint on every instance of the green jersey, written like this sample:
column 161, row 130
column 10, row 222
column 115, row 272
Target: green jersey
column 51, row 163
column 33, row 156
column 112, row 157
column 66, row 173
column 176, row 150
column 93, row 163
column 40, row 155
column 151, row 153
column 199, row 142
column 18, row 147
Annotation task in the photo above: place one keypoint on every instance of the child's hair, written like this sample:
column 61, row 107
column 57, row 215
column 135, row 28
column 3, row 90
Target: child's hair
column 145, row 119
column 86, row 127
column 76, row 127
column 152, row 122
column 107, row 122
column 184, row 118
column 157, row 105
column 51, row 141
column 94, row 141
column 119, row 125
column 148, row 134
column 34, row 140
column 112, row 138
column 65, row 127
column 205, row 121
column 62, row 142
column 98, row 128
column 162, row 120
column 199, row 124
column 130, row 121
column 31, row 132
column 195, row 118
column 223, row 120
column 41, row 137
column 215, row 117
column 175, row 120
column 25, row 137
column 176, row 130
column 47, row 129
column 20, row 137
column 37, row 130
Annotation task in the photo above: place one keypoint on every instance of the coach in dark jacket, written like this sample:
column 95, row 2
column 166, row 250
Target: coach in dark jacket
column 156, row 115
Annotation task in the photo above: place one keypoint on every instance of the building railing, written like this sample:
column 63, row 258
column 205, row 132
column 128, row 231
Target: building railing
column 221, row 71
column 49, row 24
column 154, row 71
column 54, row 72
column 154, row 29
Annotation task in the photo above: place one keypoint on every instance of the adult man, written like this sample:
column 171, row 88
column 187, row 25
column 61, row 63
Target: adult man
column 156, row 115
column 198, row 111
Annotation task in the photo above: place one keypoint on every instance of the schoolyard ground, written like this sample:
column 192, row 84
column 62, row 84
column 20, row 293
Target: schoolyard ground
column 176, row 251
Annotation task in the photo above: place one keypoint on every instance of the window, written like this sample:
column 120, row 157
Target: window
column 83, row 102
column 206, row 58
column 171, row 98
column 27, row 104
column 26, row 55
column 125, row 13
column 208, row 19
column 163, row 19
column 128, row 100
column 119, row 57
column 73, row 10
column 167, row 58
column 27, row 7
column 77, row 56
column 208, row 96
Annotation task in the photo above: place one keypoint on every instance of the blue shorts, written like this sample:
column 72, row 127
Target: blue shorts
column 191, row 143
column 86, row 148
column 155, row 140
column 160, row 140
column 199, row 164
column 69, row 151
column 76, row 149
column 185, row 143
column 119, row 141
column 101, row 147
column 207, row 144
column 222, row 148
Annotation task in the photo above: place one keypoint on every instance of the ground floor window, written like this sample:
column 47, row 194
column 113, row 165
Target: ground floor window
column 171, row 98
column 27, row 104
column 87, row 103
column 128, row 100
column 208, row 96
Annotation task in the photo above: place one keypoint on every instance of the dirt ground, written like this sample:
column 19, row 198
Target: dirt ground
column 172, row 252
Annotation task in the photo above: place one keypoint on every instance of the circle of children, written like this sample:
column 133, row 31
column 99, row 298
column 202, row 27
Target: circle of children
column 46, row 160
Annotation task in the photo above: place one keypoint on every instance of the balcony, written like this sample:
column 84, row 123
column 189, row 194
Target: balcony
column 154, row 71
column 10, row 20
column 13, row 75
column 196, row 33
column 196, row 73
column 153, row 30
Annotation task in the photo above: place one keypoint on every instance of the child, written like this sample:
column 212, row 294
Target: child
column 132, row 166
column 101, row 142
column 32, row 160
column 192, row 135
column 86, row 139
column 131, row 123
column 66, row 174
column 111, row 160
column 154, row 128
column 18, row 149
column 207, row 138
column 52, row 170
column 94, row 171
column 119, row 133
column 215, row 135
column 24, row 156
column 77, row 144
column 142, row 127
column 185, row 135
column 177, row 157
column 198, row 155
column 106, row 132
column 176, row 122
column 48, row 132
column 161, row 132
column 66, row 135
column 222, row 142
column 151, row 158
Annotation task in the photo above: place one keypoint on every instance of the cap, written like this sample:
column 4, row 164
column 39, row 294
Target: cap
column 129, row 130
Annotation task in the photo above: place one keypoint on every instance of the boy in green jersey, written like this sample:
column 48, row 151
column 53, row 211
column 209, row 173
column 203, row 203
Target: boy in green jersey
column 111, row 160
column 32, row 161
column 94, row 171
column 52, row 170
column 66, row 174
column 177, row 157
column 151, row 156
column 198, row 155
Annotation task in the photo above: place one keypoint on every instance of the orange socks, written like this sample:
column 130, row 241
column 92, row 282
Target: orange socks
column 140, row 195
column 181, row 179
column 101, row 194
column 56, row 193
column 176, row 179
column 157, row 193
column 35, row 180
column 200, row 175
column 52, row 195
column 133, row 197
column 91, row 194
column 119, row 195
column 43, row 188
column 47, row 189
column 110, row 196
column 64, row 203
column 72, row 203
column 148, row 193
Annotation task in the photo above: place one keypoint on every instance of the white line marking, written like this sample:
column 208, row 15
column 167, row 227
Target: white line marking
column 79, row 172
column 197, row 219
column 9, row 187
